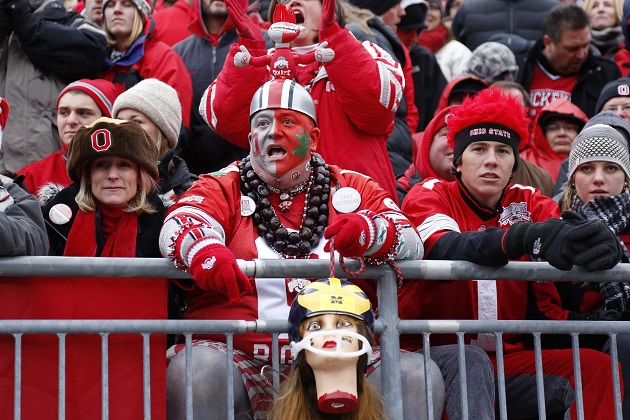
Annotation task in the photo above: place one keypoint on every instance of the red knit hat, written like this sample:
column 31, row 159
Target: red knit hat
column 491, row 115
column 103, row 92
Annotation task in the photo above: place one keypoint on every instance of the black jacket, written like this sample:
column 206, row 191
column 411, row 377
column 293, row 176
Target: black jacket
column 149, row 225
column 478, row 21
column 594, row 74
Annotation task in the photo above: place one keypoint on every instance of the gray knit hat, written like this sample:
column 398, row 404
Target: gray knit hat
column 599, row 142
column 159, row 102
column 492, row 61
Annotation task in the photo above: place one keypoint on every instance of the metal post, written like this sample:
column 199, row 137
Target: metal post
column 390, row 344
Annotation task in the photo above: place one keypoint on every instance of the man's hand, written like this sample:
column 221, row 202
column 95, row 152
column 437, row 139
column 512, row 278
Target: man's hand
column 328, row 14
column 245, row 27
column 546, row 240
column 214, row 268
column 351, row 233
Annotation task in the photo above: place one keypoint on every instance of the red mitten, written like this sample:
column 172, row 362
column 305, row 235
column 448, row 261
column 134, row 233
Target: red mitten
column 328, row 14
column 214, row 267
column 245, row 27
column 4, row 113
column 353, row 234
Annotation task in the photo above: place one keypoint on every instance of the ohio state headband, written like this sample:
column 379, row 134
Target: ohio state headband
column 485, row 132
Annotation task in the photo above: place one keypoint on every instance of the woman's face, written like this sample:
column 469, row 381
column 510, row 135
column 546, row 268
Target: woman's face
column 603, row 15
column 598, row 178
column 434, row 17
column 119, row 16
column 142, row 120
column 114, row 180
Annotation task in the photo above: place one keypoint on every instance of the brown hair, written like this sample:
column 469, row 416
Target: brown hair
column 297, row 398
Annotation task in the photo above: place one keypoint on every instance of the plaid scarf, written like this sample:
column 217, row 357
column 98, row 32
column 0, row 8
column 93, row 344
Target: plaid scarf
column 615, row 212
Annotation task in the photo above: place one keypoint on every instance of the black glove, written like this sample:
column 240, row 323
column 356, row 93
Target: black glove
column 596, row 315
column 594, row 245
column 546, row 240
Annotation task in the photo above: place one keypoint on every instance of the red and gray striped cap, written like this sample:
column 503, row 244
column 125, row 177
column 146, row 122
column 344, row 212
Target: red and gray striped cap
column 283, row 94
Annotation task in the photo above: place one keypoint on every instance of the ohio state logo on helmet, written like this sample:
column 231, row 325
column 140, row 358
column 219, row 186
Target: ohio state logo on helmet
column 101, row 140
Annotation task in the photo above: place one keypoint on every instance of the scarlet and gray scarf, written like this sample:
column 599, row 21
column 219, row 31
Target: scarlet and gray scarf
column 615, row 212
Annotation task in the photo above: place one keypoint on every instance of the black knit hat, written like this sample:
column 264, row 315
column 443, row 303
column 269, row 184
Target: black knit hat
column 378, row 7
column 415, row 16
column 613, row 89
column 110, row 137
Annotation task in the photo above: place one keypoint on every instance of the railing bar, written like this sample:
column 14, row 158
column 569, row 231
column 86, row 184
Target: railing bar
column 501, row 377
column 426, row 345
column 577, row 374
column 189, row 390
column 230, row 375
column 275, row 362
column 146, row 375
column 105, row 376
column 540, row 386
column 614, row 360
column 17, row 368
column 61, row 413
column 463, row 380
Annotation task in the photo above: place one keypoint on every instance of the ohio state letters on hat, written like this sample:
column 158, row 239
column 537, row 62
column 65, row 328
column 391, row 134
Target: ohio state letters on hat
column 109, row 137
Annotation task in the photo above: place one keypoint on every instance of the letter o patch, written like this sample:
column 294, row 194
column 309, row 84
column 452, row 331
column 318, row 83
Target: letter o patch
column 101, row 140
column 623, row 90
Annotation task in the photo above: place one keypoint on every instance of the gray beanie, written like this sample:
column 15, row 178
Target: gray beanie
column 159, row 102
column 599, row 142
column 492, row 61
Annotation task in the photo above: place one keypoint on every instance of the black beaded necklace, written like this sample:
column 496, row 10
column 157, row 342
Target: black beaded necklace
column 314, row 217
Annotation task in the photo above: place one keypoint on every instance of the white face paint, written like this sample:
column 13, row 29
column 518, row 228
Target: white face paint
column 281, row 142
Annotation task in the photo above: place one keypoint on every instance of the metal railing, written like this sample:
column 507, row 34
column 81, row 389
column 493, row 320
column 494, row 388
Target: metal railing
column 389, row 326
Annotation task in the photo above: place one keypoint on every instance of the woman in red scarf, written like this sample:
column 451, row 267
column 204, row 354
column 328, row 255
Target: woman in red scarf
column 110, row 210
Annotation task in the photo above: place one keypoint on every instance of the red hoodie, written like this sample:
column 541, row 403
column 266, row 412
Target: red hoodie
column 540, row 151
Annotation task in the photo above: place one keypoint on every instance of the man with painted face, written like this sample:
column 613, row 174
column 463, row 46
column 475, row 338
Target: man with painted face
column 281, row 201
column 356, row 118
column 482, row 218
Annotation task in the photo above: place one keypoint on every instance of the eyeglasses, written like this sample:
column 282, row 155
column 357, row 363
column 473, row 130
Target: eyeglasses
column 556, row 127
column 614, row 108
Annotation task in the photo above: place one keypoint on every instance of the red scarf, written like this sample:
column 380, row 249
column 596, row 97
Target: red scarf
column 433, row 40
column 120, row 235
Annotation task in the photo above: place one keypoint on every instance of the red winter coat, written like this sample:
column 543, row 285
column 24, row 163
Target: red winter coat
column 540, row 152
column 160, row 62
column 355, row 95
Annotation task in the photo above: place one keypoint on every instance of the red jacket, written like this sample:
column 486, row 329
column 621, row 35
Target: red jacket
column 355, row 94
column 540, row 152
column 160, row 62
column 49, row 169
column 438, row 207
column 171, row 23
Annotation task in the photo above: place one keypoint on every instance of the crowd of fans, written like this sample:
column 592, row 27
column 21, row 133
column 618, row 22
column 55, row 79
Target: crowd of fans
column 382, row 130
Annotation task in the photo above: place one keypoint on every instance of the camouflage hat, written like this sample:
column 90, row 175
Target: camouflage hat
column 492, row 61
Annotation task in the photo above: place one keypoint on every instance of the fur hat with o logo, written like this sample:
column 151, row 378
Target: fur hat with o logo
column 613, row 89
column 110, row 137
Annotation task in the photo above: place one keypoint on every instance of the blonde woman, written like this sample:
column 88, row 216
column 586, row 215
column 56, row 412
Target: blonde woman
column 110, row 210
column 134, row 55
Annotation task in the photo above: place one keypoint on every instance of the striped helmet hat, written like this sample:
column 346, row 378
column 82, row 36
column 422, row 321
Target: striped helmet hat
column 283, row 94
column 103, row 92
